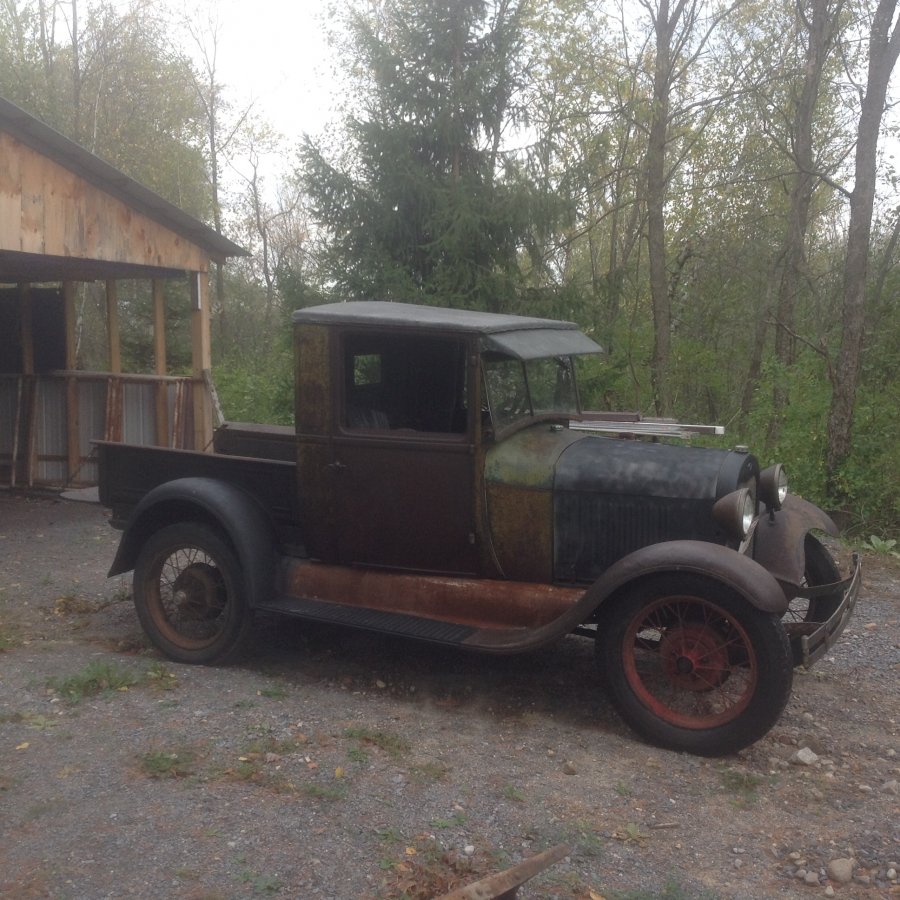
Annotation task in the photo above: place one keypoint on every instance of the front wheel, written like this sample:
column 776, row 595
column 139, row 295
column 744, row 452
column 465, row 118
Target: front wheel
column 188, row 593
column 692, row 666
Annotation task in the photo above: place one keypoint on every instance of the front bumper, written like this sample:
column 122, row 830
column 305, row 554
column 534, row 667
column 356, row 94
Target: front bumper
column 810, row 640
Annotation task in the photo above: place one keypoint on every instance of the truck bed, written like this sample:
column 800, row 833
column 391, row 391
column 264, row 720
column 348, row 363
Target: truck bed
column 128, row 472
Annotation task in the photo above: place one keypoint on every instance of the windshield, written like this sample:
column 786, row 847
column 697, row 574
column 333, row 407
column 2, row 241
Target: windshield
column 538, row 387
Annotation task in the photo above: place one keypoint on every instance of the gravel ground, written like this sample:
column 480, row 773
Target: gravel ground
column 338, row 765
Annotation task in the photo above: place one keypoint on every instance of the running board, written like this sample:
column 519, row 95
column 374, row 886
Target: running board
column 377, row 620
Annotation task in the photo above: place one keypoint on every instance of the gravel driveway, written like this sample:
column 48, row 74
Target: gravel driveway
column 339, row 765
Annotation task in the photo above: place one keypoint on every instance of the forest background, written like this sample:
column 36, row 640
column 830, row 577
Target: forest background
column 706, row 187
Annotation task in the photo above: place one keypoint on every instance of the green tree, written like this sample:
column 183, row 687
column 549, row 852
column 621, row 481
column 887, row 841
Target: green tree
column 424, row 204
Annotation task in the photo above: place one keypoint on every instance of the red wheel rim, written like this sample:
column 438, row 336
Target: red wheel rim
column 689, row 662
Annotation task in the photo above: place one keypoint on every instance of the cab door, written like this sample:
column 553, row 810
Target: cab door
column 403, row 454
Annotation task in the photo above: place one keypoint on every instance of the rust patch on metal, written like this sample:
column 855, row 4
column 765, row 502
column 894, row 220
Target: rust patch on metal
column 480, row 602
column 521, row 522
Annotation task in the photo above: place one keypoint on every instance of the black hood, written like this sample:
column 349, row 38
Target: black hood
column 612, row 497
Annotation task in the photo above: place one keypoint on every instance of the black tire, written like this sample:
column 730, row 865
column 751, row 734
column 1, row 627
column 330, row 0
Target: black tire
column 692, row 666
column 189, row 596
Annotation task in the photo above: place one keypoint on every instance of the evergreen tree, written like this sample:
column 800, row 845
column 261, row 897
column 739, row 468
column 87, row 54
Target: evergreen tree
column 424, row 205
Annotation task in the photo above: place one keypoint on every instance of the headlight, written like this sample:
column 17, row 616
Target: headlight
column 735, row 513
column 773, row 486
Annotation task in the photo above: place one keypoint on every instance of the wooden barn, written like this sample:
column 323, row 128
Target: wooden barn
column 66, row 218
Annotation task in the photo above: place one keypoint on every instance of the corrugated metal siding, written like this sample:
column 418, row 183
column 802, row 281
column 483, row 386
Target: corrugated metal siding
column 50, row 437
column 50, row 440
column 91, row 424
column 138, row 413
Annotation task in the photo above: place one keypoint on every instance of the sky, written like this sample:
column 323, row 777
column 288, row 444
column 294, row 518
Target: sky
column 274, row 51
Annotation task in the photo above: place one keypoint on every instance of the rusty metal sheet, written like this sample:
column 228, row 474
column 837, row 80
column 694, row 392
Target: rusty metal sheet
column 481, row 602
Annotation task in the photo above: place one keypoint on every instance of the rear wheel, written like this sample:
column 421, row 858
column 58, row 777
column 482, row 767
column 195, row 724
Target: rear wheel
column 188, row 593
column 692, row 666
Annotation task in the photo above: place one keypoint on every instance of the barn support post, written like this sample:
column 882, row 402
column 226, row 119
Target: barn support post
column 112, row 326
column 201, row 357
column 159, row 361
column 73, row 443
column 29, row 392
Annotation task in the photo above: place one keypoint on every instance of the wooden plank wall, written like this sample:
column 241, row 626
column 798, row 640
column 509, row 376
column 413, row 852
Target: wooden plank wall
column 46, row 209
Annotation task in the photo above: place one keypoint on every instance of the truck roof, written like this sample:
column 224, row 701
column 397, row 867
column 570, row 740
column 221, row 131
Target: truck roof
column 522, row 336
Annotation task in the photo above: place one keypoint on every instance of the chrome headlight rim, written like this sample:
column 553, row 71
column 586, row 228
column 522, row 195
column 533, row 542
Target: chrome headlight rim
column 736, row 513
column 773, row 486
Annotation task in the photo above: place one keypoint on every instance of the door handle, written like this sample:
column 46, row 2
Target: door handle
column 336, row 466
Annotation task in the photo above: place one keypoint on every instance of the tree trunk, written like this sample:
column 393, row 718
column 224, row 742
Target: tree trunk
column 884, row 46
column 821, row 29
column 656, row 198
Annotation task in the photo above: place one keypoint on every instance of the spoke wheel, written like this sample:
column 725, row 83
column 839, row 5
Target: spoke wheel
column 188, row 594
column 692, row 666
column 803, row 614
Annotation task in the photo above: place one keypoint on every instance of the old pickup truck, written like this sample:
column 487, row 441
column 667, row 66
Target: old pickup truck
column 440, row 484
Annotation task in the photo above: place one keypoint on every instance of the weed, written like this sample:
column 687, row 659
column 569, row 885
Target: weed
column 510, row 792
column 262, row 884
column 96, row 678
column 622, row 789
column 885, row 546
column 161, row 678
column 165, row 764
column 389, row 835
column 584, row 840
column 454, row 821
column 393, row 744
column 430, row 772
column 6, row 639
column 71, row 604
column 671, row 891
column 427, row 870
column 630, row 834
column 275, row 692
column 358, row 755
column 325, row 792
column 742, row 785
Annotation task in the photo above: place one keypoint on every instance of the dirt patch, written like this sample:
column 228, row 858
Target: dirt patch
column 336, row 764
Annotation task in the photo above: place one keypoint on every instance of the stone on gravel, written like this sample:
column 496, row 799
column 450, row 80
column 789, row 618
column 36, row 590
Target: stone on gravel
column 805, row 757
column 891, row 787
column 841, row 870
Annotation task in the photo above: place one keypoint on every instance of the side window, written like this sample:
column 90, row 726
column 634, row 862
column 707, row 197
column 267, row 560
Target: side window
column 403, row 383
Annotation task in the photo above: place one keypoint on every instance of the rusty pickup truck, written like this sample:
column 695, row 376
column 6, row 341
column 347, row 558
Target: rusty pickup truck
column 439, row 484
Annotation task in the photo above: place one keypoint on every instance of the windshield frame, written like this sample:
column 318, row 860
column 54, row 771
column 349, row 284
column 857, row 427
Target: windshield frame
column 516, row 409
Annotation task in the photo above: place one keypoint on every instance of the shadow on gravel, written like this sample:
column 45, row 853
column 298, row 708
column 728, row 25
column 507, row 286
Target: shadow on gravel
column 559, row 680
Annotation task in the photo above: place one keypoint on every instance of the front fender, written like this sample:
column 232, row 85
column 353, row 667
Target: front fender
column 233, row 511
column 778, row 541
column 734, row 570
column 728, row 567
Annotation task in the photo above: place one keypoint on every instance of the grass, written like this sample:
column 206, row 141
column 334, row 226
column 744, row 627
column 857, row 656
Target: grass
column 330, row 792
column 394, row 745
column 426, row 870
column 168, row 764
column 429, row 772
column 672, row 890
column 742, row 786
column 273, row 692
column 95, row 679
column 511, row 792
column 160, row 678
column 7, row 642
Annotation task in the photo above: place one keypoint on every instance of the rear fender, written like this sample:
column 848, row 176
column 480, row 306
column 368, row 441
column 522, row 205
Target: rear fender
column 779, row 538
column 229, row 509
